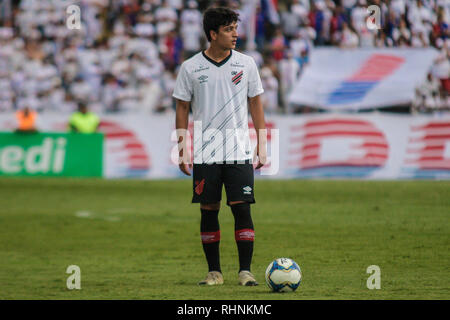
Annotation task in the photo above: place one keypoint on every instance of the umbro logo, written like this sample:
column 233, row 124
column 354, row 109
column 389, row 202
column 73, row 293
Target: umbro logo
column 203, row 78
column 247, row 190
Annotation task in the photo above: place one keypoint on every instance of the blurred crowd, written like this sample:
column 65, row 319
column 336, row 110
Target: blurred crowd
column 125, row 56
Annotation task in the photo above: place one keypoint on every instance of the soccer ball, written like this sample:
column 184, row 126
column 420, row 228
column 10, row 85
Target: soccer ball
column 283, row 275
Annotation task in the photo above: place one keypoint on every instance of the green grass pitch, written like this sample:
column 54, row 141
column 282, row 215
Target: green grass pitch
column 135, row 239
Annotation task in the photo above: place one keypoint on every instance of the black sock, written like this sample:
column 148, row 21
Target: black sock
column 244, row 234
column 210, row 234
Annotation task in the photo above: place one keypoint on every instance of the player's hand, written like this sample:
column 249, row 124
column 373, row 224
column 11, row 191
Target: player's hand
column 184, row 159
column 262, row 157
column 261, row 163
column 186, row 168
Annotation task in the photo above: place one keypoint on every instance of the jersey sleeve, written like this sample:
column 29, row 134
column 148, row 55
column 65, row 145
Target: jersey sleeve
column 254, row 81
column 183, row 85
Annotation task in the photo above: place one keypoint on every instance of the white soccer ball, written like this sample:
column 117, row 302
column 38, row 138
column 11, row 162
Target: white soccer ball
column 283, row 275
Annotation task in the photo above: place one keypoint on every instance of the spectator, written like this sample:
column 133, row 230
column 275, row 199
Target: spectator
column 7, row 95
column 191, row 31
column 418, row 39
column 300, row 8
column 420, row 17
column 398, row 8
column 110, row 92
column 83, row 121
column 337, row 19
column 6, row 11
column 289, row 74
column 349, row 38
column 168, row 84
column 401, row 31
column 166, row 18
column 358, row 16
column 26, row 119
column 270, row 85
column 316, row 19
column 172, row 48
column 393, row 22
column 256, row 55
column 278, row 45
column 348, row 6
column 57, row 96
column 441, row 27
column 290, row 21
column 303, row 42
column 427, row 95
column 144, row 27
column 441, row 69
column 151, row 94
column 260, row 29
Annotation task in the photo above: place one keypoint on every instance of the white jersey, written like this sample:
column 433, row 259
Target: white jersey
column 218, row 94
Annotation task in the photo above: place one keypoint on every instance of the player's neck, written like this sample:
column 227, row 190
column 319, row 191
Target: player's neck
column 216, row 53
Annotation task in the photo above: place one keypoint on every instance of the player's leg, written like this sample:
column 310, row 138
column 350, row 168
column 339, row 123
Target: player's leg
column 244, row 233
column 239, row 181
column 245, row 237
column 210, row 235
column 207, row 188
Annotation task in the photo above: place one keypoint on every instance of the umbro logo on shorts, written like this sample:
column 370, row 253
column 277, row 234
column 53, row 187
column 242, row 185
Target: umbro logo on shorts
column 199, row 186
column 238, row 77
column 247, row 190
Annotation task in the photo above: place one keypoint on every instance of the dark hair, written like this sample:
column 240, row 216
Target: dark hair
column 213, row 18
column 82, row 105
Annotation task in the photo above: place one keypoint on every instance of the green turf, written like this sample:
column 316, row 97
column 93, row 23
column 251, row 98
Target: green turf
column 138, row 239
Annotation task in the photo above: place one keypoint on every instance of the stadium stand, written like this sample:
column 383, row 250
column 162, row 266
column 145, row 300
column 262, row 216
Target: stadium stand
column 125, row 56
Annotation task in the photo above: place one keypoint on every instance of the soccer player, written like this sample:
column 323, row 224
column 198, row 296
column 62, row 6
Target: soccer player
column 221, row 86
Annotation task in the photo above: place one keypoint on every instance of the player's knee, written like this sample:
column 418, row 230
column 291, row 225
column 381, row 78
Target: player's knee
column 242, row 216
column 210, row 206
column 239, row 207
column 232, row 203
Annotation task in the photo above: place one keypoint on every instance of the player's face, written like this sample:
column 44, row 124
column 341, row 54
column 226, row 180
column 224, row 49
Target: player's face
column 227, row 36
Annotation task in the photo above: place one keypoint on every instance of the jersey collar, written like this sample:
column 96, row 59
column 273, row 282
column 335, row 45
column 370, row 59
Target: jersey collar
column 217, row 64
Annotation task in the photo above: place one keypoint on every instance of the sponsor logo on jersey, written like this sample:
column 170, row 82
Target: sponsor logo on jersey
column 201, row 68
column 237, row 64
column 237, row 77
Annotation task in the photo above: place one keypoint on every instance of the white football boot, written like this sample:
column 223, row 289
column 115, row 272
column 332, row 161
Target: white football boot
column 246, row 278
column 213, row 278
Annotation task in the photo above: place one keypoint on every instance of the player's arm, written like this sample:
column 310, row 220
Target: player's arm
column 182, row 121
column 257, row 114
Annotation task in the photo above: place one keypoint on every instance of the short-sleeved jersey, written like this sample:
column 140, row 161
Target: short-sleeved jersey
column 218, row 93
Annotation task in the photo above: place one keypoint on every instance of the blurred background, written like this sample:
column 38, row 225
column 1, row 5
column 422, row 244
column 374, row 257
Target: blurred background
column 316, row 58
column 126, row 55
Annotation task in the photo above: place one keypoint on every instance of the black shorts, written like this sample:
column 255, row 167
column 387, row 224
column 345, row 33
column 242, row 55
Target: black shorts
column 208, row 179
